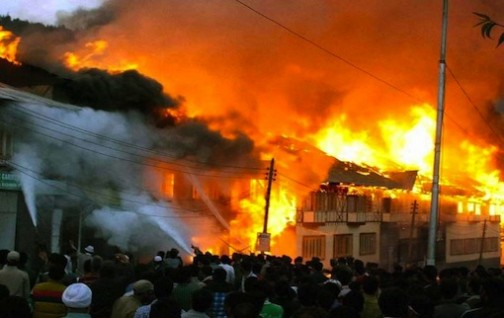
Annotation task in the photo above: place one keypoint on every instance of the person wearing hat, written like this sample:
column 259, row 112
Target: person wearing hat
column 77, row 299
column 16, row 280
column 126, row 306
column 83, row 257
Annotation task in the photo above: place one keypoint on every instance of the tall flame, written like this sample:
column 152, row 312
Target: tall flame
column 91, row 57
column 252, row 214
column 406, row 143
column 8, row 46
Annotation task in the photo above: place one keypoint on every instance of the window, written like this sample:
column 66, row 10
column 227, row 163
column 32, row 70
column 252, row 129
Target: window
column 473, row 245
column 168, row 185
column 367, row 244
column 314, row 246
column 491, row 244
column 343, row 245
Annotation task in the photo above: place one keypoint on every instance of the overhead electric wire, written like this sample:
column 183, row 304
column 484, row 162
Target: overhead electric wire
column 344, row 60
column 38, row 177
column 464, row 92
column 324, row 49
column 295, row 181
column 143, row 163
column 127, row 144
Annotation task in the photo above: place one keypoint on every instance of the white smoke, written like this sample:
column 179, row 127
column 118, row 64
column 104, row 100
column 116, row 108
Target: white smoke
column 101, row 157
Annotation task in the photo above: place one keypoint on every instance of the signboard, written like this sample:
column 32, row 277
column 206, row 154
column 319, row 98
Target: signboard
column 263, row 242
column 9, row 181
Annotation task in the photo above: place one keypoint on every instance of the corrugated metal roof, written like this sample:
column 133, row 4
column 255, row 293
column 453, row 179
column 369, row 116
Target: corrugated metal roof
column 351, row 173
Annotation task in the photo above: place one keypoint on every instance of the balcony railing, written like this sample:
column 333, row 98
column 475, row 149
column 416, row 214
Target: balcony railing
column 363, row 217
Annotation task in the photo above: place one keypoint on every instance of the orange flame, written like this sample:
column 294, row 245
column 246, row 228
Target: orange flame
column 402, row 143
column 94, row 52
column 8, row 46
column 251, row 217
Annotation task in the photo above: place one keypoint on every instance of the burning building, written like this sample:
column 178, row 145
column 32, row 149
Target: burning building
column 163, row 161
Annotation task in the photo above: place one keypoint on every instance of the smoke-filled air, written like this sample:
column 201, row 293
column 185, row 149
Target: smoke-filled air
column 211, row 86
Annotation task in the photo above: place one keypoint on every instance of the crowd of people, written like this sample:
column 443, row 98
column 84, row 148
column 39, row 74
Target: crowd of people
column 86, row 285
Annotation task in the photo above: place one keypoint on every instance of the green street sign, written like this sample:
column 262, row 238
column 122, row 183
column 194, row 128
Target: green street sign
column 9, row 181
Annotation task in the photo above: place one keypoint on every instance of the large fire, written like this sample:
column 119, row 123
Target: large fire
column 8, row 45
column 278, row 85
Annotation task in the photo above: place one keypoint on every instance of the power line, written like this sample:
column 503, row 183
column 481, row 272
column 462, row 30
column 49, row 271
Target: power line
column 324, row 49
column 344, row 60
column 124, row 143
column 464, row 92
column 142, row 163
column 36, row 176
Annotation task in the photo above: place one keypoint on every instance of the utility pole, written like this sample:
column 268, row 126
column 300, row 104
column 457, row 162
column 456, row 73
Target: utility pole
column 482, row 246
column 431, row 242
column 263, row 239
column 270, row 177
column 414, row 207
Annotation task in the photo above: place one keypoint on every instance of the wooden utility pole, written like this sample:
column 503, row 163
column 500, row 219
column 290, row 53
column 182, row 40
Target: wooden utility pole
column 271, row 174
column 414, row 208
column 482, row 246
column 263, row 239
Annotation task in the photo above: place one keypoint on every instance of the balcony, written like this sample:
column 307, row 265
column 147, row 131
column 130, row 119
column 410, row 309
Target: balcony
column 470, row 217
column 338, row 217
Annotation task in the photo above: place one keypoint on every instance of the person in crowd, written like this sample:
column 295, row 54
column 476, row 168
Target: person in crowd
column 173, row 260
column 39, row 264
column 370, row 287
column 286, row 297
column 492, row 295
column 344, row 276
column 430, row 275
column 225, row 262
column 317, row 274
column 247, row 271
column 77, row 299
column 16, row 280
column 163, row 287
column 88, row 254
column 165, row 308
column 106, row 289
column 394, row 302
column 186, row 285
column 206, row 274
column 200, row 304
column 15, row 307
column 241, row 305
column 263, row 291
column 158, row 265
column 91, row 270
column 354, row 299
column 308, row 293
column 219, row 288
column 449, row 307
column 46, row 296
column 70, row 254
column 126, row 306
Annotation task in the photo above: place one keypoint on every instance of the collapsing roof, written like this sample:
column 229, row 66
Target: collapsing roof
column 351, row 173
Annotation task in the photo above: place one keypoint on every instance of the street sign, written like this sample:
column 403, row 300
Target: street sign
column 9, row 181
column 263, row 242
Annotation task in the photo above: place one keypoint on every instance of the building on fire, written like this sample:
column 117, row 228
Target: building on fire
column 361, row 214
column 375, row 217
